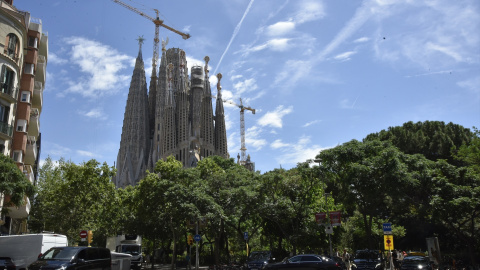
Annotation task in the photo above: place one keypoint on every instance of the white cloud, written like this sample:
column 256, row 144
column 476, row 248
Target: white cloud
column 245, row 86
column 472, row 85
column 96, row 113
column 361, row 40
column 253, row 138
column 274, row 118
column 280, row 28
column 310, row 10
column 300, row 151
column 55, row 59
column 279, row 144
column 86, row 153
column 311, row 123
column 344, row 56
column 100, row 66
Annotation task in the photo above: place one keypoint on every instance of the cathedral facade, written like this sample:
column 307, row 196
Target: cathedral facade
column 175, row 117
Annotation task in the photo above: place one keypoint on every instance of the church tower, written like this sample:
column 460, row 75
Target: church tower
column 175, row 118
column 220, row 129
column 133, row 153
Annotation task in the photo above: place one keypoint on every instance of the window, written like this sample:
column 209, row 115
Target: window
column 25, row 96
column 7, row 77
column 12, row 41
column 22, row 125
column 17, row 156
column 4, row 112
column 2, row 146
column 32, row 42
column 29, row 68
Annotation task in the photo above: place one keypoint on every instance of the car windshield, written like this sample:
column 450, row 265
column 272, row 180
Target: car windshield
column 415, row 260
column 60, row 254
column 258, row 256
column 366, row 255
column 131, row 249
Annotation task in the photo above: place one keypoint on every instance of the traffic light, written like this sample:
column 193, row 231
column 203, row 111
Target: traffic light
column 89, row 237
column 190, row 240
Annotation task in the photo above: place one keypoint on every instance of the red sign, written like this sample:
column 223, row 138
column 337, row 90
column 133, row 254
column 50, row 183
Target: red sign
column 335, row 218
column 83, row 234
column 320, row 217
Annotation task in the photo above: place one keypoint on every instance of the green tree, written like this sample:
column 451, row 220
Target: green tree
column 455, row 203
column 433, row 139
column 292, row 199
column 74, row 197
column 370, row 177
column 13, row 182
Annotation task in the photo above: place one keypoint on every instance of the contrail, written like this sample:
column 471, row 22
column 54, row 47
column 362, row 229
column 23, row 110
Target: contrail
column 235, row 32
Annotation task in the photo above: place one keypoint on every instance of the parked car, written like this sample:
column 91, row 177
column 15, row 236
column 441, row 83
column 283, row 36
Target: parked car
column 305, row 261
column 258, row 260
column 74, row 258
column 367, row 259
column 6, row 263
column 340, row 263
column 416, row 263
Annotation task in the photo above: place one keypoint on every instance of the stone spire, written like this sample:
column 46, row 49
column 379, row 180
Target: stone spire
column 207, row 125
column 221, row 148
column 133, row 153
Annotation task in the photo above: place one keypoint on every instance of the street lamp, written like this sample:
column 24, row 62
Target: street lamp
column 319, row 161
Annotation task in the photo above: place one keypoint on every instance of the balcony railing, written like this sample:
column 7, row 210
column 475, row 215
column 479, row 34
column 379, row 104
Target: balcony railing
column 9, row 90
column 6, row 129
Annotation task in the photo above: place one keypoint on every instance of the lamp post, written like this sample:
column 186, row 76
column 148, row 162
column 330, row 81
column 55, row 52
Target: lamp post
column 329, row 223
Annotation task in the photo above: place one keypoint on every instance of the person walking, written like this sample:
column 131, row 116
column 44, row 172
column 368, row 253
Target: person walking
column 346, row 259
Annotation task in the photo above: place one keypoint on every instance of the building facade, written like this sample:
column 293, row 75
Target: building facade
column 175, row 118
column 23, row 62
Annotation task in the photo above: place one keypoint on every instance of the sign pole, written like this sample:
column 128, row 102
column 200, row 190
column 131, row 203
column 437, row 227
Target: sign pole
column 197, row 260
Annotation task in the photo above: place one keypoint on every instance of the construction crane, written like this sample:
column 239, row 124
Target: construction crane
column 157, row 23
column 243, row 149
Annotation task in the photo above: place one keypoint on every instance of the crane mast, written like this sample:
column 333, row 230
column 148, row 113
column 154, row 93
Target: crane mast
column 243, row 149
column 157, row 23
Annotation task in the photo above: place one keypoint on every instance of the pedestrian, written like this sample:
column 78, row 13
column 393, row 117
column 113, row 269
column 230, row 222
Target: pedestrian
column 346, row 259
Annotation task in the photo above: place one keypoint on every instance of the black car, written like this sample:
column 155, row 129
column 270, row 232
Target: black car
column 416, row 263
column 74, row 258
column 367, row 259
column 6, row 263
column 258, row 260
column 305, row 261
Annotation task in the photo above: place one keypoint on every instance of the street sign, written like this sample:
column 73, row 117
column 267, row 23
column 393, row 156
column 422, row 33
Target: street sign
column 83, row 235
column 388, row 239
column 245, row 236
column 197, row 238
column 328, row 229
column 387, row 228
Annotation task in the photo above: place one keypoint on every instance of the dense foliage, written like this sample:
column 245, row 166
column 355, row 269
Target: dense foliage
column 13, row 183
column 424, row 178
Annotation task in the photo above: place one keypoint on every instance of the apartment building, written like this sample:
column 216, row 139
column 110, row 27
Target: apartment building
column 23, row 62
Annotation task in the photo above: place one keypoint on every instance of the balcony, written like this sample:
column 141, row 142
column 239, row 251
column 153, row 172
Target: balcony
column 20, row 211
column 28, row 172
column 37, row 100
column 34, row 124
column 6, row 131
column 43, row 46
column 31, row 151
column 35, row 25
column 8, row 92
column 40, row 74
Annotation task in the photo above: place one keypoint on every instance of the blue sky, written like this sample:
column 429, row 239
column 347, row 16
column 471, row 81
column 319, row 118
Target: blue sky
column 319, row 73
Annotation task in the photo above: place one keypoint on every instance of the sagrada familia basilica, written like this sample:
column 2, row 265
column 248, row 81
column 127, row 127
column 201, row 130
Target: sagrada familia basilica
column 175, row 117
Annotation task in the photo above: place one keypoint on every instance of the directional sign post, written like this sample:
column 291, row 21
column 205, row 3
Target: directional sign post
column 387, row 228
column 83, row 235
column 388, row 239
column 197, row 238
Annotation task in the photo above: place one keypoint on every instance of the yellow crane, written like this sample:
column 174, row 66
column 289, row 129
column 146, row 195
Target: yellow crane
column 157, row 23
column 243, row 149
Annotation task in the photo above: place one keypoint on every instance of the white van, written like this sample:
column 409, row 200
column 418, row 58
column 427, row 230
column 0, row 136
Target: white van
column 25, row 249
